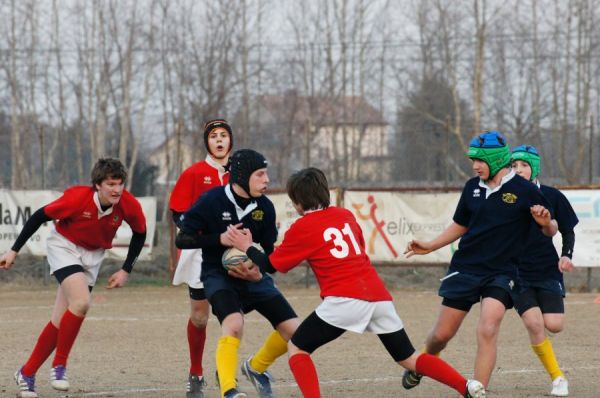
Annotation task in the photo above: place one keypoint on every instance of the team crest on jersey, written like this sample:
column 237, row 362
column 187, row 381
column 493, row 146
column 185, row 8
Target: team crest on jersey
column 476, row 192
column 258, row 215
column 226, row 216
column 207, row 180
column 86, row 214
column 509, row 198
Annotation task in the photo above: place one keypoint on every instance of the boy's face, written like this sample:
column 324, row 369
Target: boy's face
column 522, row 168
column 218, row 143
column 110, row 191
column 481, row 168
column 258, row 183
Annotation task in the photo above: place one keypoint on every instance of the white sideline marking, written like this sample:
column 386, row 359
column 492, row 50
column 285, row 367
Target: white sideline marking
column 278, row 386
column 121, row 392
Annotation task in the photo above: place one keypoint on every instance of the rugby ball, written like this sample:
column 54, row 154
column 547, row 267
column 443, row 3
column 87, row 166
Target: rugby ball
column 232, row 257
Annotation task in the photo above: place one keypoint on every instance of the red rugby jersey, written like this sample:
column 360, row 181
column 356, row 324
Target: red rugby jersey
column 193, row 182
column 79, row 221
column 332, row 242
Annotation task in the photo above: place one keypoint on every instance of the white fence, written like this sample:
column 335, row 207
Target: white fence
column 388, row 220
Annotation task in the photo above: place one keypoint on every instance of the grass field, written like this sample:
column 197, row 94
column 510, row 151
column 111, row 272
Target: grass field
column 133, row 344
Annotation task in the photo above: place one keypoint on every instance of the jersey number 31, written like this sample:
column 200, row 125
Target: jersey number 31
column 341, row 249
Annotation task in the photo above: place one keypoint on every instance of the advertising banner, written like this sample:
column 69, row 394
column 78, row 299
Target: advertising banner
column 389, row 220
column 586, row 204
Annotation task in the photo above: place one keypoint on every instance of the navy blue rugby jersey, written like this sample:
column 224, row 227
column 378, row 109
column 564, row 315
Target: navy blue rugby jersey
column 540, row 259
column 215, row 210
column 497, row 226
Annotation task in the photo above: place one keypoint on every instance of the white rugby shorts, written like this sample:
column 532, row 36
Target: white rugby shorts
column 360, row 316
column 189, row 267
column 62, row 253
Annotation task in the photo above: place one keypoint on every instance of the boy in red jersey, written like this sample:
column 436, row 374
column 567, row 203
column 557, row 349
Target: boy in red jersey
column 193, row 182
column 354, row 297
column 87, row 219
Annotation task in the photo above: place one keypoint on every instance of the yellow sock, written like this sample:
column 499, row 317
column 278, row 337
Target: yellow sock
column 546, row 355
column 273, row 347
column 227, row 361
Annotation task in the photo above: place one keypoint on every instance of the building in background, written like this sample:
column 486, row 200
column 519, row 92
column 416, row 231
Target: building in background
column 346, row 137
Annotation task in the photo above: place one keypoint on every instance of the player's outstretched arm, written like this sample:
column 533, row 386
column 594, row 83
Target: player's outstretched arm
column 449, row 235
column 543, row 218
column 565, row 264
column 31, row 226
column 8, row 259
column 118, row 279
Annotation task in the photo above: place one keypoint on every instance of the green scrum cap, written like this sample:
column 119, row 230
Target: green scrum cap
column 529, row 154
column 491, row 148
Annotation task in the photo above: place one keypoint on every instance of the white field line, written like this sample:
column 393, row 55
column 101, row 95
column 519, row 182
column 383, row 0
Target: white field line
column 282, row 386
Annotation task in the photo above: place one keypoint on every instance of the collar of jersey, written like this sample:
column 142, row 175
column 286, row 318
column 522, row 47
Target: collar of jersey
column 504, row 180
column 313, row 210
column 99, row 206
column 238, row 210
column 214, row 164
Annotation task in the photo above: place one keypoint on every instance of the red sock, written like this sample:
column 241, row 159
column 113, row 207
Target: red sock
column 438, row 369
column 196, row 339
column 67, row 333
column 46, row 343
column 305, row 373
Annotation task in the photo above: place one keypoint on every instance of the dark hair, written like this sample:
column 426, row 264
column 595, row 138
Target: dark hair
column 108, row 168
column 309, row 189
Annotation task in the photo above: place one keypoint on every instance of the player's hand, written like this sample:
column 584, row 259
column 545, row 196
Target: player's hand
column 118, row 279
column 565, row 264
column 246, row 270
column 541, row 215
column 8, row 259
column 241, row 239
column 225, row 237
column 417, row 247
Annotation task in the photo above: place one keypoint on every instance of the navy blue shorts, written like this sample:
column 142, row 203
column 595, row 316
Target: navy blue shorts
column 547, row 295
column 228, row 295
column 462, row 290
